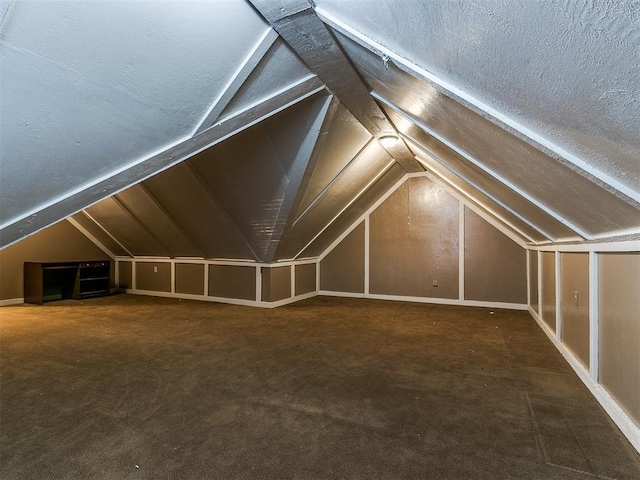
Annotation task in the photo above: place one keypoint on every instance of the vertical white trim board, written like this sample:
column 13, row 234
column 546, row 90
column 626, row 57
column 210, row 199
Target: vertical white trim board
column 617, row 414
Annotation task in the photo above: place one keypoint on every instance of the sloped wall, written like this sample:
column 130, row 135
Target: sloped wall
column 423, row 244
column 595, row 321
column 61, row 242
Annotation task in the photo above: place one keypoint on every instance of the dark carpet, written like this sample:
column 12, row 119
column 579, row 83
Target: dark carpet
column 130, row 387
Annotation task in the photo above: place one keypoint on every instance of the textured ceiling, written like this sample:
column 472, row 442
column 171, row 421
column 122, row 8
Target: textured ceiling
column 248, row 129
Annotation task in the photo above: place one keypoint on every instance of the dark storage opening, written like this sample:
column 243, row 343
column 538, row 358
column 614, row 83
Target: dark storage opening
column 58, row 283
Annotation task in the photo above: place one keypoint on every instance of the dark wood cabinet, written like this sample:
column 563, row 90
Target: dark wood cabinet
column 45, row 282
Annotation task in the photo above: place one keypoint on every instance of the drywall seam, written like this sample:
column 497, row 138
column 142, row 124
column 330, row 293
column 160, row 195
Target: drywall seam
column 483, row 167
column 432, row 300
column 93, row 239
column 250, row 62
column 610, row 184
column 617, row 414
column 11, row 301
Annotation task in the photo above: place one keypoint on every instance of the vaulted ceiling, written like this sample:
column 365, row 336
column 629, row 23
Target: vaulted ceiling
column 250, row 129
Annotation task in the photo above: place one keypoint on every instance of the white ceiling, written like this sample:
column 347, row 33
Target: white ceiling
column 529, row 110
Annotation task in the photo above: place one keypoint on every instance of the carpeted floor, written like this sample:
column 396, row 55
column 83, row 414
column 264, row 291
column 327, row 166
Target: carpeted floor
column 130, row 387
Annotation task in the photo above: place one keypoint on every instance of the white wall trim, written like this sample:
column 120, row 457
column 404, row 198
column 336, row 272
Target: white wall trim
column 625, row 246
column 438, row 301
column 594, row 317
column 91, row 238
column 366, row 254
column 617, row 414
column 11, row 301
column 366, row 214
column 230, row 301
column 461, row 248
column 558, row 287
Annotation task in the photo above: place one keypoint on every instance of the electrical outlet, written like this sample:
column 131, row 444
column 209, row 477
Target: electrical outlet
column 576, row 298
column 434, row 283
column 155, row 269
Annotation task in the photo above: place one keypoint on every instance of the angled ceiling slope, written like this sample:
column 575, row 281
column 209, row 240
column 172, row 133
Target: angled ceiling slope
column 281, row 103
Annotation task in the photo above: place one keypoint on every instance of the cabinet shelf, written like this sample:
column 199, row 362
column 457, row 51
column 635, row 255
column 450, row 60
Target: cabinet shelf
column 63, row 280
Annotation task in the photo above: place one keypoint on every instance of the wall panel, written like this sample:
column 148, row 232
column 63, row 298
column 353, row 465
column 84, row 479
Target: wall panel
column 495, row 267
column 190, row 278
column 305, row 278
column 276, row 284
column 125, row 275
column 414, row 242
column 153, row 276
column 342, row 270
column 549, row 289
column 574, row 300
column 231, row 281
column 533, row 280
column 619, row 340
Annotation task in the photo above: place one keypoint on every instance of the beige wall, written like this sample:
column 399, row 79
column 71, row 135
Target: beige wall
column 59, row 243
column 619, row 339
column 342, row 270
column 414, row 242
column 305, row 278
column 190, row 278
column 276, row 284
column 574, row 275
column 495, row 267
column 125, row 275
column 230, row 281
column 153, row 276
column 533, row 279
column 549, row 289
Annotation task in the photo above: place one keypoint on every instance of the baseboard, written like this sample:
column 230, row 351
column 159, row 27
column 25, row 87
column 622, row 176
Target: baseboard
column 11, row 301
column 624, row 422
column 230, row 301
column 436, row 301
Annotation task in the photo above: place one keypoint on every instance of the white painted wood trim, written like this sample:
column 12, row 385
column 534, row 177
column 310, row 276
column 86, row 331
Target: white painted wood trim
column 540, row 283
column 293, row 280
column 206, row 280
column 432, row 300
column 626, row 246
column 366, row 254
column 93, row 220
column 475, row 104
column 461, row 248
column 594, row 317
column 468, row 197
column 11, row 301
column 617, row 414
column 318, row 276
column 93, row 239
column 360, row 219
column 479, row 211
column 528, row 278
column 231, row 301
column 470, row 158
column 173, row 276
column 360, row 193
column 251, row 61
column 133, row 274
column 558, row 286
column 258, row 283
